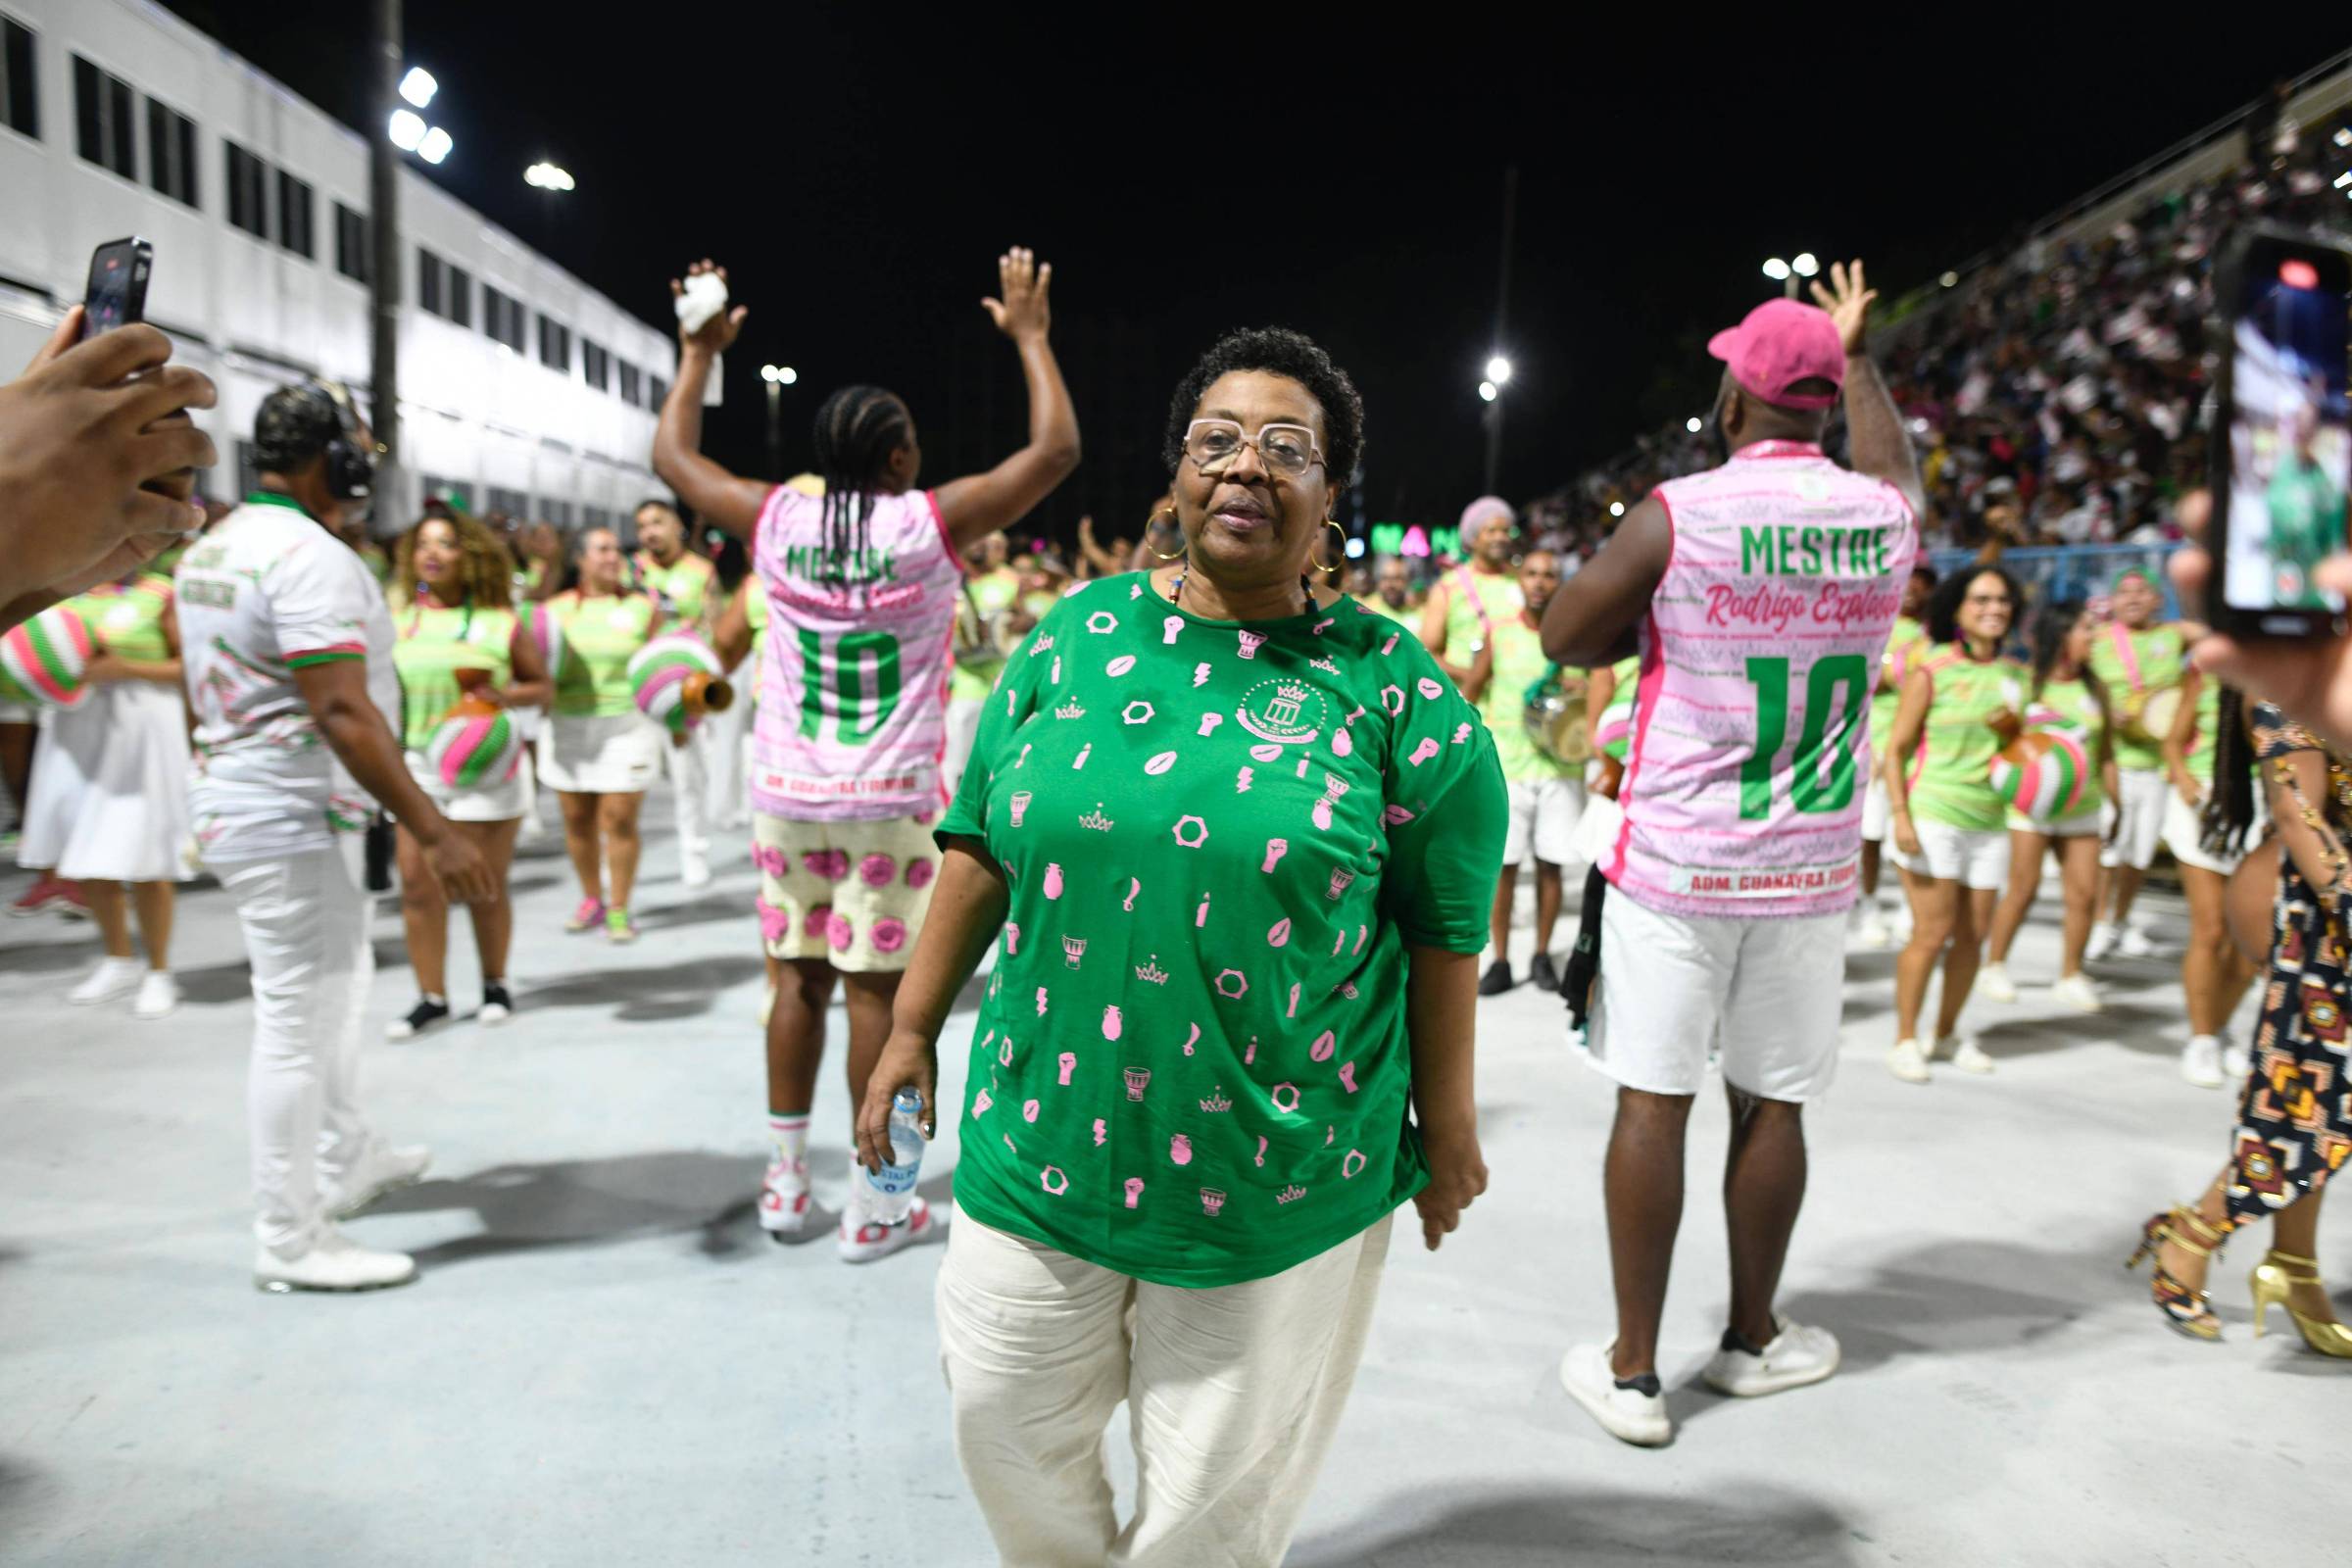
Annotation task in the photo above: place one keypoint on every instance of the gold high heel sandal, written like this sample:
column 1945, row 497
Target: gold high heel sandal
column 2188, row 1312
column 2277, row 1274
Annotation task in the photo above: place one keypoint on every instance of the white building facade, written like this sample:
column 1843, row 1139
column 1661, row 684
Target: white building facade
column 521, row 389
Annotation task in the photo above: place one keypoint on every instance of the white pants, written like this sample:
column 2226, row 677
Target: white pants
column 730, row 742
column 304, row 918
column 689, row 770
column 964, row 728
column 1232, row 1394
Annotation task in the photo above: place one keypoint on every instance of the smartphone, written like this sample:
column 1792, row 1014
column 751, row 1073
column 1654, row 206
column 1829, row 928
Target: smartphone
column 2282, row 433
column 117, row 294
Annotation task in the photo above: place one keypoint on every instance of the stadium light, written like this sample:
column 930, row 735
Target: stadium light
column 1949, row 279
column 1356, row 548
column 548, row 176
column 1498, row 370
column 1804, row 265
column 2343, row 137
column 778, row 374
column 2343, row 179
column 407, row 129
column 1616, row 508
column 1777, row 269
column 1693, row 424
column 418, row 87
column 435, row 146
column 1489, row 391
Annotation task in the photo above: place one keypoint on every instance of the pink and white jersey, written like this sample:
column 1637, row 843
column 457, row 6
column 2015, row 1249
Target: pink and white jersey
column 853, row 696
column 1743, row 785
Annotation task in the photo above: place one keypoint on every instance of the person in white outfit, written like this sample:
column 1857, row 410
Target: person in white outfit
column 109, row 806
column 288, row 653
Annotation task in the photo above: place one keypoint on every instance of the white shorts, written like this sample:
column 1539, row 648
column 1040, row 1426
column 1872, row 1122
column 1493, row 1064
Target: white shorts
column 19, row 713
column 1974, row 858
column 490, row 803
column 2088, row 825
column 1874, row 810
column 2183, row 826
column 2141, row 795
column 1768, row 993
column 1543, row 815
column 601, row 753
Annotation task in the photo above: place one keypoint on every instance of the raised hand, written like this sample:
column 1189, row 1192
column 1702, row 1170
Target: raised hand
column 718, row 334
column 1847, row 300
column 1019, row 306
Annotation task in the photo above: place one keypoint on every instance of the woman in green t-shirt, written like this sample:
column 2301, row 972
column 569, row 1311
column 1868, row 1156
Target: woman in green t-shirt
column 2065, row 695
column 1237, row 839
column 1960, row 705
column 600, row 755
column 453, row 611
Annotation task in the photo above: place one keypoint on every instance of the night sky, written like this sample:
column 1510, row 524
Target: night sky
column 858, row 168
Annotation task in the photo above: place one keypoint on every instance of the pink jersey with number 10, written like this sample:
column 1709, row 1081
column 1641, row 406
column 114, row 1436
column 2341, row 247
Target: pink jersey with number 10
column 1743, row 792
column 853, row 696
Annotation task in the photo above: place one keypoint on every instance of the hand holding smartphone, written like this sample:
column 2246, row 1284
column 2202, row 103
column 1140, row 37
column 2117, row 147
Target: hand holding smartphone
column 117, row 292
column 2281, row 436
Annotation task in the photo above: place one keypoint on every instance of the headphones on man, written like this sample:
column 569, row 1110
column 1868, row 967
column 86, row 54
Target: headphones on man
column 350, row 465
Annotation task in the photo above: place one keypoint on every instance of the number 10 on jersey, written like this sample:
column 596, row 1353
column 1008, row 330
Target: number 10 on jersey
column 857, row 713
column 1840, row 684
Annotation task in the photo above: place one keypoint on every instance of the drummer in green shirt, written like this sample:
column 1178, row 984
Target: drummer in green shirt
column 2135, row 656
column 990, row 588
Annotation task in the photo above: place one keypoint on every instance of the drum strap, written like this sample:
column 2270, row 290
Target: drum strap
column 1538, row 687
column 2126, row 654
column 1478, row 606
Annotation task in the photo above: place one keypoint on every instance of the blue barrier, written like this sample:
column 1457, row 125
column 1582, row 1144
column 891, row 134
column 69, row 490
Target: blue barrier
column 2060, row 573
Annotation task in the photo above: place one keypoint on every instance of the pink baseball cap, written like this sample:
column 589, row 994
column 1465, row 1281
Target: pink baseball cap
column 1780, row 343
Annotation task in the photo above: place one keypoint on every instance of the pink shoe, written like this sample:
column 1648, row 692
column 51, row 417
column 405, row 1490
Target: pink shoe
column 874, row 1239
column 588, row 916
column 783, row 1199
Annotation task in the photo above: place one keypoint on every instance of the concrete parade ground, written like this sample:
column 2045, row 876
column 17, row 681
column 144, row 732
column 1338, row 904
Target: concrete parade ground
column 608, row 1362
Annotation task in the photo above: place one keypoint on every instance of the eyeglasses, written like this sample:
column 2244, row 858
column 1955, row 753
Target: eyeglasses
column 1287, row 450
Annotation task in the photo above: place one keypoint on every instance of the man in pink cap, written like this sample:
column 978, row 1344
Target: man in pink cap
column 1759, row 596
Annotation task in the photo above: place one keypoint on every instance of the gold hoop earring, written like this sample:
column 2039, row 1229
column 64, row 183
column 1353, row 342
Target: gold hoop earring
column 1332, row 523
column 1147, row 524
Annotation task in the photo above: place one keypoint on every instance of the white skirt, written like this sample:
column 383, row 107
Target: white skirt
column 110, row 788
column 600, row 754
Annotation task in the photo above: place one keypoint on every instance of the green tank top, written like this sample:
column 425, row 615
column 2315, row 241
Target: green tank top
column 602, row 633
column 433, row 645
column 2129, row 662
column 127, row 619
column 1950, row 774
column 1904, row 643
column 1498, row 595
column 1519, row 664
column 990, row 593
column 2073, row 705
column 684, row 584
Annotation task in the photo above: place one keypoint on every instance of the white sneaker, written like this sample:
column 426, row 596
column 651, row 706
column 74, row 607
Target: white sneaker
column 1908, row 1063
column 1798, row 1356
column 112, row 978
column 333, row 1262
column 1627, row 1414
column 2103, row 938
column 2236, row 1061
column 694, row 868
column 784, row 1199
column 379, row 1169
column 1963, row 1052
column 2134, row 944
column 2078, row 992
column 1870, row 930
column 874, row 1240
column 159, row 996
column 1993, row 982
column 2201, row 1062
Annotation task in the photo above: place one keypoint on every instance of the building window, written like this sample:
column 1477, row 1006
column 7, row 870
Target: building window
column 657, row 393
column 294, row 214
column 596, row 365
column 428, row 282
column 103, row 119
column 632, row 385
column 555, row 344
column 555, row 512
column 457, row 492
column 20, row 90
column 504, row 319
column 353, row 256
column 513, row 503
column 248, row 192
column 460, row 295
column 171, row 153
column 595, row 517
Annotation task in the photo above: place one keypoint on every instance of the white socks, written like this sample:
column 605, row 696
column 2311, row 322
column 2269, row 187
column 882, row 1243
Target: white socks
column 789, row 1134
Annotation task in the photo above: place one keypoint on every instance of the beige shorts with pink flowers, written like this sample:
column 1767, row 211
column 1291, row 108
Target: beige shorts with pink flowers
column 849, row 893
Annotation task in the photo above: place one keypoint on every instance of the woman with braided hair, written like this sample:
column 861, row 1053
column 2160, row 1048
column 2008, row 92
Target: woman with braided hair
column 863, row 584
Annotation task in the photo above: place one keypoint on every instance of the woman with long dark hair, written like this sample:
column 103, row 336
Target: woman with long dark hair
column 2294, row 1120
column 2064, row 693
column 862, row 581
column 1960, row 705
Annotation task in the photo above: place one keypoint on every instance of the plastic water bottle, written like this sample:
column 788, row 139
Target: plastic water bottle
column 892, row 1186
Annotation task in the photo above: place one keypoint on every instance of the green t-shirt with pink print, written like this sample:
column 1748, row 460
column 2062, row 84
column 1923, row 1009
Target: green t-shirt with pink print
column 1221, row 839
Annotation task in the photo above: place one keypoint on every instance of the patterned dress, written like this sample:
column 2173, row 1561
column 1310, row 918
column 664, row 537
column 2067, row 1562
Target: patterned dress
column 2294, row 1123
